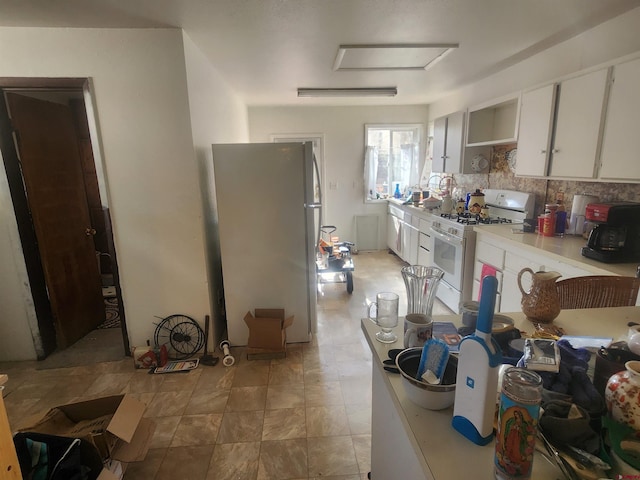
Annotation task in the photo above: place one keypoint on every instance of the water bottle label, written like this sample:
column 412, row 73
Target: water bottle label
column 516, row 438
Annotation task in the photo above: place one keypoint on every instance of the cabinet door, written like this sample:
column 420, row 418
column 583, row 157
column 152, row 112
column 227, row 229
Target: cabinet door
column 439, row 144
column 455, row 143
column 393, row 233
column 405, row 235
column 411, row 255
column 578, row 120
column 534, row 136
column 511, row 295
column 619, row 151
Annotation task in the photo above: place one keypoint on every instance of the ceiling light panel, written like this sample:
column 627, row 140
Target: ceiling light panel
column 348, row 92
column 401, row 56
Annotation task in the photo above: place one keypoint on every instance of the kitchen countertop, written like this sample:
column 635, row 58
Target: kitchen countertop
column 445, row 453
column 566, row 249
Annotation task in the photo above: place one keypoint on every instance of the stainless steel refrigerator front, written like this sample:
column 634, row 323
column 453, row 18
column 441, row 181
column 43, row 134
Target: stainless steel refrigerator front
column 265, row 206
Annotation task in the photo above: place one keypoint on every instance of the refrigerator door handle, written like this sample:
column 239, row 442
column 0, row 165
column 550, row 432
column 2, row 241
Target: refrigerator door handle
column 312, row 205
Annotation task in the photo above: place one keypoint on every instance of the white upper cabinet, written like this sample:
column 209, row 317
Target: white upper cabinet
column 578, row 126
column 448, row 143
column 439, row 144
column 449, row 152
column 494, row 123
column 619, row 158
column 560, row 127
column 534, row 137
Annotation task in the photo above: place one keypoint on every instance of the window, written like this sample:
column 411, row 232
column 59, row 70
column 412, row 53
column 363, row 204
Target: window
column 392, row 160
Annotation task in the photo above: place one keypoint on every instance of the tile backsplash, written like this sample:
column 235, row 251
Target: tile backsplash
column 500, row 176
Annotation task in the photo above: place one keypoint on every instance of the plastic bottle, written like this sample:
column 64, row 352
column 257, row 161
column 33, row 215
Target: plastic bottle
column 397, row 193
column 561, row 215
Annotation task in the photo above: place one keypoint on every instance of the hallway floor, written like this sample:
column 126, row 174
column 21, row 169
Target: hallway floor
column 307, row 416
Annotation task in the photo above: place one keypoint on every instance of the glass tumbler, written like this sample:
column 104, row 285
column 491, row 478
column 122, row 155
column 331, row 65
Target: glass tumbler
column 386, row 306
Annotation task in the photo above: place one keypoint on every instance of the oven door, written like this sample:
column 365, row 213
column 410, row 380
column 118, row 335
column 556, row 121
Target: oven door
column 448, row 255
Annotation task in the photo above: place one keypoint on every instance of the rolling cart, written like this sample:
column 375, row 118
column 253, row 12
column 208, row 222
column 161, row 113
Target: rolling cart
column 334, row 262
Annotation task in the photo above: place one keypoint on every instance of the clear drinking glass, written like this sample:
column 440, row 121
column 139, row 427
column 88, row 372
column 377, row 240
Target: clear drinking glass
column 386, row 306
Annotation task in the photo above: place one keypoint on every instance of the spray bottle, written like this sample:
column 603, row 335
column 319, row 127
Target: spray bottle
column 477, row 380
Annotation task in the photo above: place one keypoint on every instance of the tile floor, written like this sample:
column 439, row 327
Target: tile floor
column 307, row 416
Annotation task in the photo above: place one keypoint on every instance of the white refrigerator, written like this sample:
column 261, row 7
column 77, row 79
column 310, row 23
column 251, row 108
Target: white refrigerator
column 268, row 205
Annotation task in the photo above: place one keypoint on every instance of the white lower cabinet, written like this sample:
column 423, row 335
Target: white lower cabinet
column 409, row 241
column 508, row 261
column 394, row 231
column 409, row 234
column 392, row 453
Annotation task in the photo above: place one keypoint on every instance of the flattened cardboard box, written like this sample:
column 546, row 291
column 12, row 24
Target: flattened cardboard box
column 268, row 329
column 114, row 425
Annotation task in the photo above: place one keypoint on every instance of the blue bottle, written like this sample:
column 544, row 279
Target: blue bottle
column 397, row 193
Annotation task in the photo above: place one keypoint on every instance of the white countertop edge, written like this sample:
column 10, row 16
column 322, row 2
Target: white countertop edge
column 562, row 249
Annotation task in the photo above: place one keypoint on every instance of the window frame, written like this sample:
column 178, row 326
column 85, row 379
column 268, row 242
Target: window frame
column 419, row 130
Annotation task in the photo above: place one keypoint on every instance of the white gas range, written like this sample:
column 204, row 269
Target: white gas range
column 454, row 241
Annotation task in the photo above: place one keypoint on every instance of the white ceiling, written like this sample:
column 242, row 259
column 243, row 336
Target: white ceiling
column 266, row 49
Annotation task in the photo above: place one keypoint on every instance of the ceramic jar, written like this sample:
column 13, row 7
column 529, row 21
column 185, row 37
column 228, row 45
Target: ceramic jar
column 476, row 202
column 622, row 395
column 622, row 422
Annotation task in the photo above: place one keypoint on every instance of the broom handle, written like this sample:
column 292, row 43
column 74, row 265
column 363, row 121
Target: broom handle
column 206, row 333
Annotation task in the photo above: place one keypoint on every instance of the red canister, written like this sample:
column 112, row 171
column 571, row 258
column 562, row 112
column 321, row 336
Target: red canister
column 549, row 227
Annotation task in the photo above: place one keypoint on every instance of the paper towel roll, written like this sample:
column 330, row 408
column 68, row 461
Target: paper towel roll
column 578, row 208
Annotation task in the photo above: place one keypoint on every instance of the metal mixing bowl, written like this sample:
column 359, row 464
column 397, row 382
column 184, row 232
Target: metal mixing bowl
column 431, row 397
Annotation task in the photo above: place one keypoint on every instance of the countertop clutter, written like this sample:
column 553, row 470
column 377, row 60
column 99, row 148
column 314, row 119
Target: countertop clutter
column 565, row 249
column 425, row 444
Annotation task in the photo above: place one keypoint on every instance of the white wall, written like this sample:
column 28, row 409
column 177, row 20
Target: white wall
column 343, row 129
column 218, row 115
column 140, row 91
column 616, row 38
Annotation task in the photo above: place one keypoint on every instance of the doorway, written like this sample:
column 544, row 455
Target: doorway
column 63, row 220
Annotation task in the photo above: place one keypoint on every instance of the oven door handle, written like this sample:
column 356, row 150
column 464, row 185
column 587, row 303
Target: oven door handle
column 447, row 238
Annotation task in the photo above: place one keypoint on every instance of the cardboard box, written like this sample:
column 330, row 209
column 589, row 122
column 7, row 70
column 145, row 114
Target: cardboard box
column 114, row 425
column 267, row 331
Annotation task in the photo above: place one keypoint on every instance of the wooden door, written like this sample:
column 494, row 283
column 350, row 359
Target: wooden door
column 50, row 162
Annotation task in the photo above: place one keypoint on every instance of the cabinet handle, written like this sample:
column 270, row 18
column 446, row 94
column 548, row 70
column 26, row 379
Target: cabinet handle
column 543, row 151
column 555, row 150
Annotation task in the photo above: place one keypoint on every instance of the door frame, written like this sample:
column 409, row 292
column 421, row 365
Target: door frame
column 42, row 329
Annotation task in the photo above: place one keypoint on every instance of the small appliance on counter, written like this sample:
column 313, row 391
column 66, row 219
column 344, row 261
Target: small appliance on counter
column 616, row 235
column 578, row 209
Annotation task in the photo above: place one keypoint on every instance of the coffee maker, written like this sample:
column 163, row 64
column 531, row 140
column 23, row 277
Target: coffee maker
column 616, row 235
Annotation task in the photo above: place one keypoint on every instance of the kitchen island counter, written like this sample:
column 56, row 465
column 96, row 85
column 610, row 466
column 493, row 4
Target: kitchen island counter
column 565, row 249
column 414, row 443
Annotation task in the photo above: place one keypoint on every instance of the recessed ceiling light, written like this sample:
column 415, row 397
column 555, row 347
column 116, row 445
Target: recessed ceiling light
column 391, row 56
column 348, row 92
